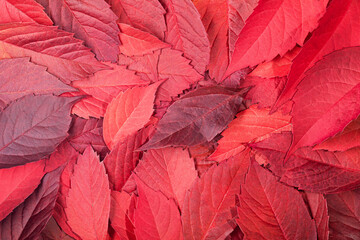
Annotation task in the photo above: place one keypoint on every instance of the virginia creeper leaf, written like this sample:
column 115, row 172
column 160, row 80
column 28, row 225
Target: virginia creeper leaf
column 196, row 118
column 344, row 212
column 332, row 87
column 168, row 170
column 91, row 21
column 30, row 218
column 340, row 19
column 155, row 216
column 274, row 27
column 250, row 125
column 32, row 127
column 17, row 183
column 90, row 187
column 128, row 113
column 185, row 32
column 207, row 206
column 23, row 11
column 319, row 212
column 269, row 209
column 52, row 231
column 64, row 56
column 19, row 77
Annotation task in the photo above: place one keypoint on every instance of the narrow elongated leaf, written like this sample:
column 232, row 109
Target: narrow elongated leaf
column 344, row 140
column 271, row 210
column 286, row 23
column 155, row 216
column 128, row 113
column 32, row 127
column 344, row 212
column 319, row 212
column 223, row 21
column 315, row 171
column 18, row 183
column 147, row 15
column 334, row 94
column 185, row 32
column 19, row 77
column 340, row 19
column 168, row 170
column 90, row 187
column 91, row 21
column 63, row 55
column 23, row 11
column 250, row 125
column 30, row 218
column 207, row 207
column 196, row 118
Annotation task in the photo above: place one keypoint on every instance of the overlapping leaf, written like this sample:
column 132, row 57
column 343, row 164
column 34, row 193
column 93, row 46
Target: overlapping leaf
column 32, row 127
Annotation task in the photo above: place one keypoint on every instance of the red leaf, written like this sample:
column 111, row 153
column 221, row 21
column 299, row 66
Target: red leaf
column 274, row 27
column 344, row 211
column 17, row 183
column 136, row 42
column 19, row 77
column 23, row 11
column 251, row 125
column 186, row 33
column 128, row 112
column 146, row 15
column 119, row 215
column 32, row 127
column 91, row 21
column 169, row 170
column 30, row 218
column 340, row 19
column 87, row 132
column 319, row 211
column 123, row 159
column 271, row 210
column 223, row 21
column 90, row 187
column 52, row 231
column 207, row 207
column 315, row 171
column 332, row 87
column 63, row 55
column 344, row 140
column 196, row 118
column 155, row 216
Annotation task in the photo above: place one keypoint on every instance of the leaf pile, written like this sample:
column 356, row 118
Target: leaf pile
column 179, row 119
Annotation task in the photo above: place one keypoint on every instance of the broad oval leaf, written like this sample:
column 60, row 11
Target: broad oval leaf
column 332, row 87
column 340, row 19
column 274, row 27
column 344, row 212
column 91, row 21
column 23, row 11
column 63, row 55
column 185, row 32
column 155, row 216
column 206, row 213
column 90, row 187
column 271, row 210
column 30, row 218
column 250, row 125
column 32, row 127
column 128, row 112
column 19, row 77
column 17, row 183
column 168, row 170
column 196, row 118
